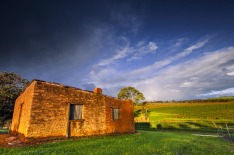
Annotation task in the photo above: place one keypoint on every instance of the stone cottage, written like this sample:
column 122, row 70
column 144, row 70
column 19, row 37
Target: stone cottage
column 47, row 110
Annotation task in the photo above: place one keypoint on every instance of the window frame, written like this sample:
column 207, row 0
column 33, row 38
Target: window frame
column 115, row 113
column 72, row 108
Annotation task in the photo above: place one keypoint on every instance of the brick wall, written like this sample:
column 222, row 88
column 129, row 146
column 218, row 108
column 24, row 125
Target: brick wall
column 126, row 121
column 45, row 113
column 22, row 110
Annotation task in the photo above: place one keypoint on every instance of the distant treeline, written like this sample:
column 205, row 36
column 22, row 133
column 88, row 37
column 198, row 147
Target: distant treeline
column 220, row 99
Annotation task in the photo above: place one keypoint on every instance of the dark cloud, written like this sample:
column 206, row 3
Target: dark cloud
column 60, row 41
column 47, row 39
column 34, row 31
column 37, row 36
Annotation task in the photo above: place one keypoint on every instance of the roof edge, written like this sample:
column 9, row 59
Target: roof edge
column 67, row 86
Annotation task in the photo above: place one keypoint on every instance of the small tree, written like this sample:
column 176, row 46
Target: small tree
column 11, row 85
column 131, row 93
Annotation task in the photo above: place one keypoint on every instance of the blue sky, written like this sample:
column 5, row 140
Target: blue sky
column 169, row 50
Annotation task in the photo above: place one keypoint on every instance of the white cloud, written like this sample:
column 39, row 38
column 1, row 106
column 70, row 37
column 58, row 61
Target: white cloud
column 130, row 52
column 230, row 70
column 192, row 78
column 168, row 61
column 179, row 42
column 190, row 49
column 186, row 84
column 229, row 91
column 152, row 46
column 230, row 73
column 141, row 49
column 120, row 54
column 165, row 79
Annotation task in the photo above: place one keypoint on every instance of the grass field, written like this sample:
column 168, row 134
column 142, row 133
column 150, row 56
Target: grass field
column 142, row 143
column 3, row 131
column 195, row 117
column 190, row 115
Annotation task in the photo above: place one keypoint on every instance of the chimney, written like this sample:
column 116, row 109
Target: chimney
column 97, row 91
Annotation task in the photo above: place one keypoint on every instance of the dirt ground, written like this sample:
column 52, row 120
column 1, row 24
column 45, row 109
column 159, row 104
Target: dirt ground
column 7, row 140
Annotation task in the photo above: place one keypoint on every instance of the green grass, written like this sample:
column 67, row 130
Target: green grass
column 145, row 142
column 2, row 131
column 191, row 115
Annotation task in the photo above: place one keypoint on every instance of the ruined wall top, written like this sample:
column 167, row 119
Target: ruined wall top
column 97, row 91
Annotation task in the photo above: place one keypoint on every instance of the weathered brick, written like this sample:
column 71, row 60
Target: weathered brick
column 41, row 112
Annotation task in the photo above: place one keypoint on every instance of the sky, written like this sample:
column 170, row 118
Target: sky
column 167, row 49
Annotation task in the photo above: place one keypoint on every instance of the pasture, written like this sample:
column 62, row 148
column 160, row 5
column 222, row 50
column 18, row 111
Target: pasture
column 200, row 116
column 194, row 131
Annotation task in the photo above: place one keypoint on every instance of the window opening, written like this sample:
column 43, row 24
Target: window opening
column 115, row 114
column 75, row 111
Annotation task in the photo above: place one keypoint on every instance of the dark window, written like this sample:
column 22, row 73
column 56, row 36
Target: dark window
column 75, row 111
column 115, row 113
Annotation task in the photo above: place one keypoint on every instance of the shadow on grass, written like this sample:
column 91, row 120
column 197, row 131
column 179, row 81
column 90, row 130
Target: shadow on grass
column 184, row 126
column 145, row 126
column 3, row 131
column 197, row 124
column 137, row 113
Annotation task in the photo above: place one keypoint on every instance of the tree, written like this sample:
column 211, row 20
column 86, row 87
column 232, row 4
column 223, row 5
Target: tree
column 11, row 85
column 131, row 93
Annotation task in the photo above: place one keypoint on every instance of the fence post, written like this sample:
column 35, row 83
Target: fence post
column 229, row 135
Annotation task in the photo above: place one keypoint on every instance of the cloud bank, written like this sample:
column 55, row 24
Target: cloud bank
column 112, row 44
column 180, row 76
